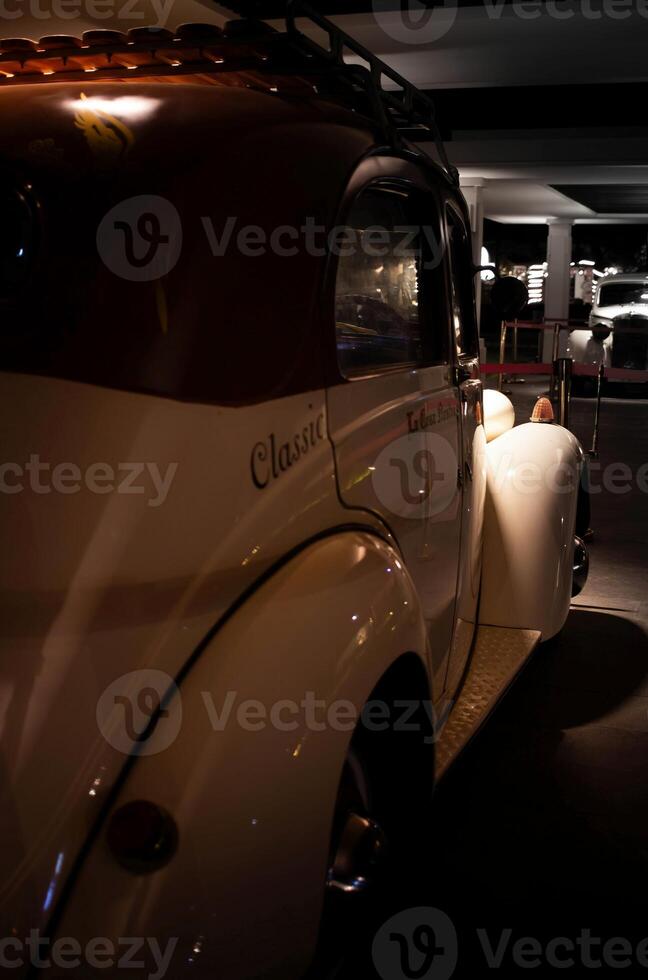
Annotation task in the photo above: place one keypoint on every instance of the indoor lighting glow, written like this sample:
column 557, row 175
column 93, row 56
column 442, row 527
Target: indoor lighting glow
column 536, row 275
column 123, row 106
column 486, row 276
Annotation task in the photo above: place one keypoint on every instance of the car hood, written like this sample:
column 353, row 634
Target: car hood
column 611, row 312
column 98, row 583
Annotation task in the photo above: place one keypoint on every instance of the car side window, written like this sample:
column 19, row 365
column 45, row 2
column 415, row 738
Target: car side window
column 461, row 285
column 379, row 295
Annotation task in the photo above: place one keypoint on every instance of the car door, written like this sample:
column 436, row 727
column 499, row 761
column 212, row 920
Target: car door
column 394, row 415
column 459, row 275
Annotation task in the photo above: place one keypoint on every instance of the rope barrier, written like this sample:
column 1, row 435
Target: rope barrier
column 582, row 370
column 545, row 325
column 556, row 325
column 568, row 325
column 517, row 368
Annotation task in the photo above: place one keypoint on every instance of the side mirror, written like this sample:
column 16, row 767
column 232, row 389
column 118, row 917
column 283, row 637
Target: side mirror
column 508, row 297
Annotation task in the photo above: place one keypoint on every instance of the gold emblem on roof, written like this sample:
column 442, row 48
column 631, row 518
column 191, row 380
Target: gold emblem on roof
column 107, row 136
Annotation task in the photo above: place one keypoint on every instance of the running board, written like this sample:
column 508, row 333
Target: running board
column 498, row 655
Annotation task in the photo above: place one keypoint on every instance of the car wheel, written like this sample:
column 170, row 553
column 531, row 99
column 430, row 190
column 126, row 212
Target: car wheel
column 379, row 840
column 357, row 869
column 358, row 842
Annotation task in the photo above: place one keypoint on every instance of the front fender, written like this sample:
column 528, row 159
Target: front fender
column 253, row 798
column 534, row 473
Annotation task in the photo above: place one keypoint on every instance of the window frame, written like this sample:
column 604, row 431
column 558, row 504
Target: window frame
column 467, row 302
column 436, row 352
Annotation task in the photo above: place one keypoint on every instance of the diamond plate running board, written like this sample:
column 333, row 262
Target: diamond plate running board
column 498, row 655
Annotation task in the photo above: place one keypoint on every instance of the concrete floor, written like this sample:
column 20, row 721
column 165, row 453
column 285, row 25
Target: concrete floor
column 546, row 816
column 542, row 825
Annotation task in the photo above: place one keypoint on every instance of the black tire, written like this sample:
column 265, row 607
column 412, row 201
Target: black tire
column 386, row 781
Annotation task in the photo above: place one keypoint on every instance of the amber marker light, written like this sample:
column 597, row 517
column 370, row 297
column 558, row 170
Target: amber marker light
column 542, row 411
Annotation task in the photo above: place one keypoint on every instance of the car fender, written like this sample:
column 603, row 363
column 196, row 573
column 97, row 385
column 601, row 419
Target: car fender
column 253, row 800
column 499, row 413
column 534, row 472
column 577, row 346
column 572, row 343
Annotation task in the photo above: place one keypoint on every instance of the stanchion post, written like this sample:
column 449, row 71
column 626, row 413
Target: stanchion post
column 554, row 357
column 595, row 436
column 514, row 378
column 515, row 342
column 563, row 372
column 584, row 511
column 556, row 341
column 501, row 352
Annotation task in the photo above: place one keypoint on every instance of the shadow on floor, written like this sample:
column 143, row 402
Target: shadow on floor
column 542, row 825
column 544, row 821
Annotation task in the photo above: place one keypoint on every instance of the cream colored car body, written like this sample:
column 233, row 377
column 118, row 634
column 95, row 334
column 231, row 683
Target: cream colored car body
column 278, row 564
column 607, row 313
column 582, row 345
column 330, row 607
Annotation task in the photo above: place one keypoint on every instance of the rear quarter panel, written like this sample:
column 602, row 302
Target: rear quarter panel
column 254, row 800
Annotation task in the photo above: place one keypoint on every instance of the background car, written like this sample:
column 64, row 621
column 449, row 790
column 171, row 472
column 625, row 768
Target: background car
column 618, row 328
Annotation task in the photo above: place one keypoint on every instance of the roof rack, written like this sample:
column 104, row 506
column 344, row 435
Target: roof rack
column 404, row 107
column 258, row 55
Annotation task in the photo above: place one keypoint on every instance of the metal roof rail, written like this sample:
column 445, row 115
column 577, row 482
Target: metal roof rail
column 405, row 107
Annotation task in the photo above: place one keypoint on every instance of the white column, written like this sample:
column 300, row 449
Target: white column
column 556, row 293
column 473, row 191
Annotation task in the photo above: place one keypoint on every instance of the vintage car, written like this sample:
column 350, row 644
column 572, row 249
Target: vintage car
column 617, row 336
column 271, row 557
